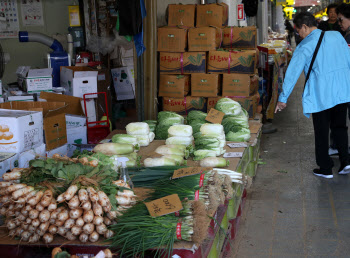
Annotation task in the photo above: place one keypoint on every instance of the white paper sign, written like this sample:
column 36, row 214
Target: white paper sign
column 237, row 145
column 233, row 155
column 32, row 13
column 9, row 21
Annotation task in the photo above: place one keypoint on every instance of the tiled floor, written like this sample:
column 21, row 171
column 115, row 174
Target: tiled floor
column 290, row 212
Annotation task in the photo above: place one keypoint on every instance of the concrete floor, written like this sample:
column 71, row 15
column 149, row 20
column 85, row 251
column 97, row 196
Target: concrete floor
column 289, row 212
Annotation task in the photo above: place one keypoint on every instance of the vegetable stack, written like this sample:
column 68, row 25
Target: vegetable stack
column 141, row 131
column 165, row 120
column 62, row 196
column 196, row 119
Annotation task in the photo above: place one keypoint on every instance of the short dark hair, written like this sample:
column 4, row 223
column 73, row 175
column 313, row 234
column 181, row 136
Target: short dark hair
column 343, row 9
column 305, row 18
column 330, row 7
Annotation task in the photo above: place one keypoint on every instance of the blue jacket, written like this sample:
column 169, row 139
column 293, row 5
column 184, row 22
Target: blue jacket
column 329, row 81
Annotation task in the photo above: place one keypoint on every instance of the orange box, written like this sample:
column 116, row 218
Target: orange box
column 212, row 15
column 181, row 15
column 203, row 39
column 182, row 63
column 172, row 39
column 239, row 37
column 205, row 85
column 175, row 86
column 184, row 105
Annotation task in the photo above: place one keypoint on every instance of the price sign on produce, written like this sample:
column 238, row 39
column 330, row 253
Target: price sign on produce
column 215, row 116
column 233, row 155
column 165, row 205
column 237, row 145
column 189, row 171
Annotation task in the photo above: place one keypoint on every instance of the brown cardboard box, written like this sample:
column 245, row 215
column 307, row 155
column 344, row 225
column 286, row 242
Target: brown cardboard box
column 172, row 39
column 205, row 85
column 212, row 15
column 181, row 15
column 240, row 37
column 232, row 62
column 184, row 105
column 182, row 63
column 202, row 39
column 236, row 85
column 173, row 85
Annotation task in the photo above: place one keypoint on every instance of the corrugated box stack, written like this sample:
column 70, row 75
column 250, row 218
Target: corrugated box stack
column 200, row 64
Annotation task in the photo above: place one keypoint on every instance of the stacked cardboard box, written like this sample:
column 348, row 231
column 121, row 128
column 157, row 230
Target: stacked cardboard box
column 198, row 65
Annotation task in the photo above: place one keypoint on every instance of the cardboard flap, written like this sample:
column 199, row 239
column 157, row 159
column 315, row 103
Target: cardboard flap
column 73, row 105
column 45, row 107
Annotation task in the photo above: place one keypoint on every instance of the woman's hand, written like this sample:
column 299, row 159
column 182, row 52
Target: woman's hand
column 280, row 106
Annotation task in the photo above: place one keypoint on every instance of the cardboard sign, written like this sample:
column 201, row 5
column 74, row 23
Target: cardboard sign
column 233, row 155
column 165, row 205
column 215, row 116
column 237, row 145
column 172, row 39
column 188, row 171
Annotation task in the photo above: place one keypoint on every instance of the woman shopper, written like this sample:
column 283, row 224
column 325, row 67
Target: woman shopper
column 331, row 23
column 326, row 91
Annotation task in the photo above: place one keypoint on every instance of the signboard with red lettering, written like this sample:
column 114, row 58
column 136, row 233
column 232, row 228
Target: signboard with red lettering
column 240, row 12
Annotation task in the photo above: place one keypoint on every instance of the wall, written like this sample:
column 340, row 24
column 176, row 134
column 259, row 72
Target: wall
column 31, row 53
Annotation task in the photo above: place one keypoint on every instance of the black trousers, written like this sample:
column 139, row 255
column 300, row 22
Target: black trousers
column 334, row 118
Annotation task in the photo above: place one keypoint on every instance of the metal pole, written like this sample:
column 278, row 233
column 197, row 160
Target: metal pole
column 202, row 1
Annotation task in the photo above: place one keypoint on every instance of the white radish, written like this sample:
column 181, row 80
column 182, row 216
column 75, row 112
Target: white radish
column 107, row 208
column 88, row 228
column 35, row 199
column 31, row 229
column 35, row 222
column 83, row 238
column 28, row 208
column 101, row 229
column 52, row 206
column 70, row 192
column 97, row 209
column 17, row 213
column 21, row 199
column 11, row 224
column 93, row 237
column 74, row 202
column 70, row 236
column 126, row 193
column 121, row 183
column 69, row 223
column 25, row 236
column 5, row 184
column 30, row 195
column 60, row 198
column 63, row 215
column 12, row 175
column 76, row 231
column 83, row 195
column 112, row 215
column 18, row 206
column 60, row 223
column 88, row 216
column 122, row 200
column 52, row 221
column 44, row 227
column 12, row 232
column 10, row 213
column 15, row 187
column 23, row 191
column 44, row 216
column 80, row 222
column 48, row 238
column 108, row 234
column 39, row 207
column 46, row 199
column 19, row 231
column 21, row 217
column 3, row 211
column 25, row 226
column 24, row 212
column 56, row 212
column 33, row 214
column 86, row 206
column 92, row 194
column 76, row 213
column 103, row 199
column 97, row 220
column 108, row 253
column 53, row 229
column 107, row 221
column 62, row 231
column 34, row 238
column 29, row 221
column 5, row 198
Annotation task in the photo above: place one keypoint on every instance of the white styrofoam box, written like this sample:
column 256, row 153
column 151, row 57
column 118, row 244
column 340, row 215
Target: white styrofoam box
column 21, row 98
column 8, row 161
column 62, row 150
column 20, row 130
column 91, row 110
column 25, row 157
column 78, row 83
column 39, row 80
column 76, row 135
column 75, row 121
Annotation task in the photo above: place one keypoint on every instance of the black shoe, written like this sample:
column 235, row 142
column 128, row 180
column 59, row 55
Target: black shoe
column 345, row 170
column 318, row 172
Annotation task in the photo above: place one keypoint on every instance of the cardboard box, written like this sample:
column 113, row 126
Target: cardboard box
column 182, row 63
column 20, row 130
column 240, row 37
column 181, row 15
column 236, row 85
column 76, row 135
column 205, row 85
column 124, row 82
column 8, row 161
column 212, row 15
column 221, row 62
column 38, row 80
column 77, row 81
column 62, row 150
column 184, row 105
column 75, row 121
column 25, row 157
column 203, row 39
column 172, row 39
column 175, row 86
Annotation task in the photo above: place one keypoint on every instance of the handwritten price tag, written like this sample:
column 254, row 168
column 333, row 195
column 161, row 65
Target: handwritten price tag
column 215, row 116
column 189, row 171
column 165, row 205
column 237, row 145
column 233, row 155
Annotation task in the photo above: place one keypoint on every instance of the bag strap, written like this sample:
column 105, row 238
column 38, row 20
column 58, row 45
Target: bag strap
column 313, row 58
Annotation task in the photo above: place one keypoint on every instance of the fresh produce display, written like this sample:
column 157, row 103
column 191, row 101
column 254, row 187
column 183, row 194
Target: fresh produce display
column 165, row 120
column 228, row 106
column 125, row 138
column 214, row 162
column 212, row 137
column 196, row 119
column 141, row 131
column 111, row 148
column 152, row 125
column 61, row 196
